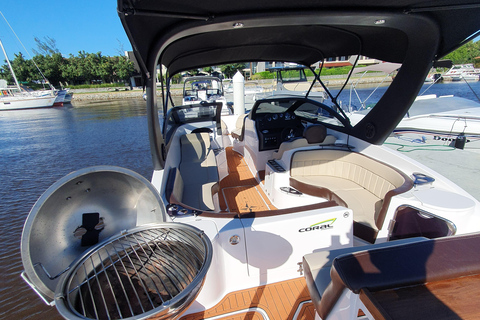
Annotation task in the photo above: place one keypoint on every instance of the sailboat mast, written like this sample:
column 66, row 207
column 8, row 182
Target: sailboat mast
column 10, row 66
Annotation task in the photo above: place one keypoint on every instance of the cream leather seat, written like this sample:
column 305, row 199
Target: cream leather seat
column 312, row 135
column 239, row 130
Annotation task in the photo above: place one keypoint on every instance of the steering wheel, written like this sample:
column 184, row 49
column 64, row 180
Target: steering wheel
column 289, row 133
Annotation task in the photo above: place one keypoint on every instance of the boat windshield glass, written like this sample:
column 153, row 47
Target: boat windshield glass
column 305, row 109
column 293, row 75
column 178, row 116
column 331, row 101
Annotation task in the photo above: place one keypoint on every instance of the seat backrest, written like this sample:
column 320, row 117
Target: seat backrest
column 312, row 135
column 239, row 130
column 315, row 133
column 194, row 147
column 289, row 145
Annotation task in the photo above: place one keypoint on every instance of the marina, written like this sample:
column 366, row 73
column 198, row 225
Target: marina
column 285, row 207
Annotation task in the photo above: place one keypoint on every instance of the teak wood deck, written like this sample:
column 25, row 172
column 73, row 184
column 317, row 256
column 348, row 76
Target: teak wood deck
column 286, row 300
column 239, row 191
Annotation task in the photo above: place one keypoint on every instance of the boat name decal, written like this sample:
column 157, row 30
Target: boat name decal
column 448, row 139
column 327, row 224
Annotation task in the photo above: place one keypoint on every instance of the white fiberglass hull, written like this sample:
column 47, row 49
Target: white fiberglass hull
column 442, row 120
column 26, row 102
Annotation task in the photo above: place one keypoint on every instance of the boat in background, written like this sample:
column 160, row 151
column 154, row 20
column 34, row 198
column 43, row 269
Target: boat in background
column 462, row 72
column 12, row 98
column 446, row 120
column 15, row 98
column 60, row 99
column 291, row 80
column 68, row 96
column 64, row 96
column 205, row 89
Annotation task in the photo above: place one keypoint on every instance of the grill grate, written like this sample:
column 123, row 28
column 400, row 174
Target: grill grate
column 137, row 273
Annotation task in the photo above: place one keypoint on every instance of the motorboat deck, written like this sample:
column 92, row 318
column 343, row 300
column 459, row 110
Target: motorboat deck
column 266, row 203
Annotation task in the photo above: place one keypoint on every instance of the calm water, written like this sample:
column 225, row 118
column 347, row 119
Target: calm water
column 37, row 147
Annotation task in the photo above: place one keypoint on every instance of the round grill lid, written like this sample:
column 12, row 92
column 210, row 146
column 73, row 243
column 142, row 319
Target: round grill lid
column 77, row 212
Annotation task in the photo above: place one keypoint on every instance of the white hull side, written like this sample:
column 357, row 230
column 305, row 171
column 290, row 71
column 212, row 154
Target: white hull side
column 17, row 103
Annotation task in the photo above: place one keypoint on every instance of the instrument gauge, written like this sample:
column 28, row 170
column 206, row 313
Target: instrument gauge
column 275, row 116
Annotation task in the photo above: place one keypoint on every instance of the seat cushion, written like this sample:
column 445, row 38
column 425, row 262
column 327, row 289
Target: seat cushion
column 363, row 203
column 330, row 182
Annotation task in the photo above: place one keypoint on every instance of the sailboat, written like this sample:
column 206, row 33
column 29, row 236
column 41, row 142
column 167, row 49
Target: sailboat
column 14, row 98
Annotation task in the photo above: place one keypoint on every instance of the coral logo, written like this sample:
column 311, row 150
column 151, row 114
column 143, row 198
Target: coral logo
column 327, row 224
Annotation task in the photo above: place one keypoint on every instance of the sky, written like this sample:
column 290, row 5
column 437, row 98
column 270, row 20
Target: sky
column 89, row 25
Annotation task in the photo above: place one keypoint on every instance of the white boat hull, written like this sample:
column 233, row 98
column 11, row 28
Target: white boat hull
column 17, row 103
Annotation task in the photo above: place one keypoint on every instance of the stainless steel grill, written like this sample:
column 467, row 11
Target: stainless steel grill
column 155, row 271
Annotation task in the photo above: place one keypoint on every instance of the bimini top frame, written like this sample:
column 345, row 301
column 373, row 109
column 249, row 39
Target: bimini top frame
column 185, row 34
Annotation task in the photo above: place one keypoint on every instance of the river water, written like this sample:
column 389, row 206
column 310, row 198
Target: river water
column 37, row 147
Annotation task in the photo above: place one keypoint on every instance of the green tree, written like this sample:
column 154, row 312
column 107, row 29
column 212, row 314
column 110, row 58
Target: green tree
column 208, row 70
column 5, row 73
column 82, row 68
column 86, row 67
column 71, row 71
column 51, row 67
column 24, row 69
column 123, row 68
column 193, row 72
column 106, row 69
column 47, row 46
column 465, row 54
column 229, row 70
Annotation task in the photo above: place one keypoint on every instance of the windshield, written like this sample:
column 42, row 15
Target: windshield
column 293, row 75
column 340, row 98
column 302, row 108
column 211, row 86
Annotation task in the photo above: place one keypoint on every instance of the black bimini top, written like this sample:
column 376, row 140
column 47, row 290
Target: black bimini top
column 187, row 34
column 297, row 31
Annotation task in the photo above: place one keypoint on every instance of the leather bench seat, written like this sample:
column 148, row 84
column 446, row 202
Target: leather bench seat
column 395, row 264
column 196, row 178
column 351, row 179
column 317, row 268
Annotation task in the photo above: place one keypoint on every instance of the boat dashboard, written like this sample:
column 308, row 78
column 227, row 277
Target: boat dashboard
column 275, row 128
column 282, row 119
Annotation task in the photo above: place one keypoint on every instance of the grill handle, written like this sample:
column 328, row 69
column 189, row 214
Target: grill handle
column 25, row 278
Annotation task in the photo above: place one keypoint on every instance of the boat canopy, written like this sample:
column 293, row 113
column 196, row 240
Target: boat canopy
column 186, row 34
column 191, row 33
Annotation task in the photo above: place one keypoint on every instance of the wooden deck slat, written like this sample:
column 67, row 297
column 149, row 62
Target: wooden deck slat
column 278, row 301
column 240, row 191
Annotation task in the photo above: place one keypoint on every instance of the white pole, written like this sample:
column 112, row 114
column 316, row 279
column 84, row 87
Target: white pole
column 238, row 93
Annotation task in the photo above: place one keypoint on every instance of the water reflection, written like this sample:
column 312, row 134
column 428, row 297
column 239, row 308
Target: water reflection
column 37, row 147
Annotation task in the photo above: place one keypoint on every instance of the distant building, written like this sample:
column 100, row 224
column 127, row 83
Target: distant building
column 136, row 80
column 344, row 61
column 329, row 63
